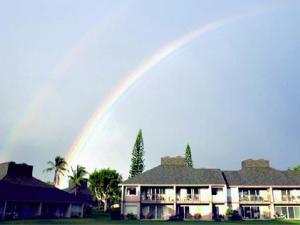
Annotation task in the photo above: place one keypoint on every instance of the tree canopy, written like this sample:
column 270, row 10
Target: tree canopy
column 77, row 177
column 104, row 185
column 188, row 156
column 295, row 168
column 59, row 166
column 137, row 159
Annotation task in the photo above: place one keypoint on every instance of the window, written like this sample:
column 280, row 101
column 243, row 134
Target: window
column 131, row 191
column 297, row 212
column 291, row 212
column 216, row 191
column 130, row 209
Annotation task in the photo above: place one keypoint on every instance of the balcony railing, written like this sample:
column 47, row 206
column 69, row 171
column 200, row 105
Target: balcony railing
column 219, row 198
column 255, row 198
column 158, row 198
column 191, row 198
column 290, row 198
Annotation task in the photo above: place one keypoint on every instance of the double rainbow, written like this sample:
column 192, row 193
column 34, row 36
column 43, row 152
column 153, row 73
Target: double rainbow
column 98, row 117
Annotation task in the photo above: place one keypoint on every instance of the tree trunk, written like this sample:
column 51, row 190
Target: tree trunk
column 104, row 205
column 54, row 180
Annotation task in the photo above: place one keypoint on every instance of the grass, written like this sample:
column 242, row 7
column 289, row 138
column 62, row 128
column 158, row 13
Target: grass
column 105, row 220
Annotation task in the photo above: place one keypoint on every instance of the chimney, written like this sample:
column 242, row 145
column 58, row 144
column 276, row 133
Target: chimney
column 177, row 161
column 14, row 169
column 251, row 163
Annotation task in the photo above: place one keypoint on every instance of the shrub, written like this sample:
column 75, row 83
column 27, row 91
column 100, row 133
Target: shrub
column 197, row 216
column 229, row 212
column 115, row 213
column 235, row 215
column 131, row 216
column 150, row 216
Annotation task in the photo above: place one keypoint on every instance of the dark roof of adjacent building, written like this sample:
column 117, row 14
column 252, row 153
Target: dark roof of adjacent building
column 174, row 171
column 18, row 184
column 83, row 192
column 259, row 173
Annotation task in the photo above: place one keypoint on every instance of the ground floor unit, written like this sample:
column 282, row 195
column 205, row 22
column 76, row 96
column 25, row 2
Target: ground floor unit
column 210, row 211
column 26, row 210
column 165, row 211
column 22, row 196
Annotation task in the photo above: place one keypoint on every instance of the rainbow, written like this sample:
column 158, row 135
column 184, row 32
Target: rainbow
column 98, row 117
column 60, row 72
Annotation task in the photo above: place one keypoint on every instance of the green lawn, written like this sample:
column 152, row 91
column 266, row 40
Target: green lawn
column 103, row 220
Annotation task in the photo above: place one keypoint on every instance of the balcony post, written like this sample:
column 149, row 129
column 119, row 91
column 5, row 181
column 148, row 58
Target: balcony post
column 139, row 192
column 272, row 208
column 175, row 200
column 82, row 211
column 210, row 201
column 4, row 210
column 225, row 196
column 39, row 214
column 68, row 212
column 122, row 199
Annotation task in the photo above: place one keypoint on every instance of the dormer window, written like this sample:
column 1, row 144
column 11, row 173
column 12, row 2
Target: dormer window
column 131, row 191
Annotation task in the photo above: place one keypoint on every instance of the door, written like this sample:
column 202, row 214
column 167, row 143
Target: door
column 216, row 211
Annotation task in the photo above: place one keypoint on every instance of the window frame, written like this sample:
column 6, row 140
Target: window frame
column 128, row 191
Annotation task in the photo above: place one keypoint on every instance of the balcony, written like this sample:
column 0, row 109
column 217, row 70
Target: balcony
column 196, row 198
column 288, row 199
column 220, row 198
column 255, row 199
column 159, row 198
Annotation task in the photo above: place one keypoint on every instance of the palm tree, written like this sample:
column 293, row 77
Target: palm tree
column 59, row 166
column 77, row 176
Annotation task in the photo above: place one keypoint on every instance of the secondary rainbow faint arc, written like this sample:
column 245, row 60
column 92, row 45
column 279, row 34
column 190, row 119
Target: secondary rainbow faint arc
column 131, row 78
column 59, row 73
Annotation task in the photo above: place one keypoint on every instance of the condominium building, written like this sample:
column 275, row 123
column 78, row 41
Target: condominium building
column 256, row 191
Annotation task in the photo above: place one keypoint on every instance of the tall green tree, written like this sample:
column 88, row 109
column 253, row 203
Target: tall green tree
column 295, row 168
column 59, row 166
column 137, row 159
column 188, row 156
column 77, row 177
column 104, row 184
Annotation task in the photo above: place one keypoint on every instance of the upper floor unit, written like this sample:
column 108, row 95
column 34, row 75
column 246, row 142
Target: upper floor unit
column 175, row 194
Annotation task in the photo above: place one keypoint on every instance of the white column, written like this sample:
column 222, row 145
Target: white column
column 81, row 210
column 4, row 210
column 122, row 199
column 139, row 192
column 40, row 209
column 272, row 207
column 68, row 213
column 210, row 199
column 175, row 199
column 225, row 196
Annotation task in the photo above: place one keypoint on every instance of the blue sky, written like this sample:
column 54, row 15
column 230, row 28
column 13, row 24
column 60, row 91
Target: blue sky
column 232, row 93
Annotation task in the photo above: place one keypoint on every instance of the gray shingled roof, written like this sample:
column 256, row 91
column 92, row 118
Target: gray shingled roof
column 174, row 174
column 262, row 177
